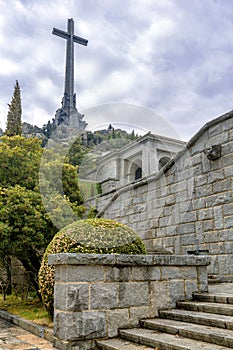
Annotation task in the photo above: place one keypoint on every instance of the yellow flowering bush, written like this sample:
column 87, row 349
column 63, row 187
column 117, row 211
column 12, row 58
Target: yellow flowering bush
column 94, row 236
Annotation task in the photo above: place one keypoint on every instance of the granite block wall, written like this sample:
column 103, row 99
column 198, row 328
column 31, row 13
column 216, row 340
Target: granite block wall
column 188, row 201
column 95, row 295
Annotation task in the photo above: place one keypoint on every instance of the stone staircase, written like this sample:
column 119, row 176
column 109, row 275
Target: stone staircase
column 204, row 323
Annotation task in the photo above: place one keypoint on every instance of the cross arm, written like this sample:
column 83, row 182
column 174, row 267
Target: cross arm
column 65, row 35
column 60, row 33
column 79, row 40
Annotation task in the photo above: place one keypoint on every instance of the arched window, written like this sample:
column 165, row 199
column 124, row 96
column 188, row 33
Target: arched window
column 163, row 161
column 138, row 173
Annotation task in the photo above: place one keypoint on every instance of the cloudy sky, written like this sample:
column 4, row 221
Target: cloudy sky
column 173, row 57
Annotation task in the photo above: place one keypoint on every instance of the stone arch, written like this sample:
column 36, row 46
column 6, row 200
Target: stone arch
column 135, row 170
column 138, row 173
column 163, row 161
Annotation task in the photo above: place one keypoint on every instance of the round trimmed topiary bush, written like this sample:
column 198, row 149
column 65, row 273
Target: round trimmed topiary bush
column 95, row 236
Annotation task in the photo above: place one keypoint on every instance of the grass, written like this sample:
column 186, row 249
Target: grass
column 30, row 309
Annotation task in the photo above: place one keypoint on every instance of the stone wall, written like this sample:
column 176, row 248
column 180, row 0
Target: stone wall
column 95, row 295
column 190, row 199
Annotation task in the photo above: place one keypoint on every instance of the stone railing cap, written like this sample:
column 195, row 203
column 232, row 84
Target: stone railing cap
column 127, row 260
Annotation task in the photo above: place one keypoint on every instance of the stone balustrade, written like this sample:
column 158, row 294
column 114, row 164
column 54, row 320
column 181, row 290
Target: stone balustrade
column 97, row 294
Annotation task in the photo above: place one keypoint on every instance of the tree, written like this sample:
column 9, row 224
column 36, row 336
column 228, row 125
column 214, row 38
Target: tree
column 76, row 153
column 20, row 161
column 14, row 123
column 26, row 227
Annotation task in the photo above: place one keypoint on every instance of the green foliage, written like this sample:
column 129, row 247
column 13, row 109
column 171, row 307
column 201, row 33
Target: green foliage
column 25, row 226
column 96, row 236
column 99, row 188
column 88, row 189
column 76, row 152
column 61, row 178
column 20, row 160
column 92, row 213
column 14, row 123
column 99, row 136
column 110, row 139
column 30, row 309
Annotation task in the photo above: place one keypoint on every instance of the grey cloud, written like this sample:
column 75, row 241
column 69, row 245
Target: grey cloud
column 173, row 56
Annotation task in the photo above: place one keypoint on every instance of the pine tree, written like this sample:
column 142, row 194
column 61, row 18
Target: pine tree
column 14, row 123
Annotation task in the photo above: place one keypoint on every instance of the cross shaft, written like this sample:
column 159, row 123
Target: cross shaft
column 68, row 101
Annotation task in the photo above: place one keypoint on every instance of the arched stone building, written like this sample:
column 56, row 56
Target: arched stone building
column 143, row 157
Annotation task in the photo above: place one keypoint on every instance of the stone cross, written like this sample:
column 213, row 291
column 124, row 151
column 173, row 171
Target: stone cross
column 69, row 100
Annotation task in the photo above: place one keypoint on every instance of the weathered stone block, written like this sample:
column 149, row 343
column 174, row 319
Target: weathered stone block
column 160, row 295
column 175, row 272
column 202, row 279
column 228, row 171
column 188, row 239
column 199, row 203
column 201, row 180
column 176, row 291
column 196, row 159
column 228, row 247
column 171, row 230
column 137, row 313
column 71, row 297
column 77, row 345
column 228, row 221
column 117, row 319
column 80, row 325
column 215, row 248
column 225, row 235
column 215, row 130
column 190, row 288
column 170, row 200
column 205, row 214
column 211, row 237
column 218, row 218
column 117, row 274
column 189, row 217
column 133, row 293
column 140, row 273
column 103, row 296
column 186, row 228
column 208, row 225
column 145, row 273
column 217, row 139
column 221, row 198
column 221, row 186
column 204, row 191
column 228, row 209
column 182, row 196
column 216, row 176
column 84, row 273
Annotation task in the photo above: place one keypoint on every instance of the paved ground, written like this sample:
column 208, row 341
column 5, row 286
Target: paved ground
column 16, row 338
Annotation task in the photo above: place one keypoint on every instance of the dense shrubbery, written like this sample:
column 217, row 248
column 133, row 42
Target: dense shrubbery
column 97, row 236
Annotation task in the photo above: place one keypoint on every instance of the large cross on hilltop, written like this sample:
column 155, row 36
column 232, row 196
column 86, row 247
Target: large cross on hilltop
column 69, row 99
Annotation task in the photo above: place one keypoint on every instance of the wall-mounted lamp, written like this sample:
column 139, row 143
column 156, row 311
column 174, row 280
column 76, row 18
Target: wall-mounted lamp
column 213, row 152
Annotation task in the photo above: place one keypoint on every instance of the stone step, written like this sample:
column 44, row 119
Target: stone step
column 214, row 308
column 119, row 344
column 193, row 331
column 164, row 341
column 198, row 317
column 214, row 298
